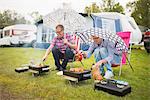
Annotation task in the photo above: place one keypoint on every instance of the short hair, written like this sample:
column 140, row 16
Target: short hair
column 61, row 26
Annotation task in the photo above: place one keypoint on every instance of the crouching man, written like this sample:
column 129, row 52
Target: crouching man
column 105, row 54
column 62, row 47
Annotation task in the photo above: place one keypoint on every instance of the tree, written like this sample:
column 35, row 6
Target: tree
column 117, row 8
column 130, row 6
column 111, row 6
column 9, row 17
column 36, row 16
column 92, row 9
column 141, row 12
column 107, row 6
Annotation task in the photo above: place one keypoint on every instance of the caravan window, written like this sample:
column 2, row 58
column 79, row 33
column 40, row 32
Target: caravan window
column 44, row 37
column 1, row 34
column 132, row 25
column 44, row 29
column 7, row 33
column 51, row 36
column 47, row 37
column 108, row 24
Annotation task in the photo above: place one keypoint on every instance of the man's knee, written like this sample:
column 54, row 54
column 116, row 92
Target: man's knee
column 103, row 50
column 96, row 52
column 69, row 53
column 100, row 52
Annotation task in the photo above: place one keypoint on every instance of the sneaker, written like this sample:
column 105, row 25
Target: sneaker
column 57, row 69
column 61, row 69
column 108, row 75
column 60, row 73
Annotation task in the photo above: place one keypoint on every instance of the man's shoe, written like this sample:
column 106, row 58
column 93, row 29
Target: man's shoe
column 64, row 68
column 60, row 73
column 57, row 69
column 61, row 69
column 108, row 75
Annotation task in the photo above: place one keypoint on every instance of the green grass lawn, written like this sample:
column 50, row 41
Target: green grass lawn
column 52, row 87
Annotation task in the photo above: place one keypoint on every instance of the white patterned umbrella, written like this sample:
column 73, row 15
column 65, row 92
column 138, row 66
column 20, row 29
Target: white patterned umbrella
column 105, row 34
column 71, row 20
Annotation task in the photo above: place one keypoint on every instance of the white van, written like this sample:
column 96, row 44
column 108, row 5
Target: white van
column 18, row 34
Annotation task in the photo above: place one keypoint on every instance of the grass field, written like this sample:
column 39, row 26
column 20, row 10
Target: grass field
column 15, row 86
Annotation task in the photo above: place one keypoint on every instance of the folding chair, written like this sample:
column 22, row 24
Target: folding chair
column 77, row 42
column 126, row 38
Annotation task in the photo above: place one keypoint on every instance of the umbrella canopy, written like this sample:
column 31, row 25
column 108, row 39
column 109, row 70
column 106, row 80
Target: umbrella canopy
column 71, row 20
column 105, row 34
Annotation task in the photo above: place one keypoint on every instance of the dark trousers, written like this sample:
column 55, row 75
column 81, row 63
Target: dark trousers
column 59, row 55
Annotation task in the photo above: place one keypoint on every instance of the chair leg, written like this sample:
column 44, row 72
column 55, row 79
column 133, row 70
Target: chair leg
column 120, row 70
column 120, row 67
column 129, row 63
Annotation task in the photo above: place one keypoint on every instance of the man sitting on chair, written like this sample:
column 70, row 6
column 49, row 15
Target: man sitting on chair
column 62, row 47
column 105, row 54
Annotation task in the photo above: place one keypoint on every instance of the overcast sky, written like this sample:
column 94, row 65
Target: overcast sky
column 46, row 6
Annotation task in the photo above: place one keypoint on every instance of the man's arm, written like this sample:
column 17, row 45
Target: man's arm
column 73, row 46
column 49, row 49
column 69, row 40
column 90, row 50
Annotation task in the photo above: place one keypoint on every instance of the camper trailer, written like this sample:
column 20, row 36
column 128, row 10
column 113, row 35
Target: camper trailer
column 18, row 34
column 117, row 22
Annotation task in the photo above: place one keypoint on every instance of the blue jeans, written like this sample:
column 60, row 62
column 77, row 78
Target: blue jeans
column 102, row 53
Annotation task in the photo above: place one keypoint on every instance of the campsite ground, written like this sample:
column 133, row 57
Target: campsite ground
column 52, row 87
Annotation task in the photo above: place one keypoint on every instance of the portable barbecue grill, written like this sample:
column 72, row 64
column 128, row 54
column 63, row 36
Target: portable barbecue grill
column 22, row 69
column 35, row 69
column 112, row 87
column 77, row 76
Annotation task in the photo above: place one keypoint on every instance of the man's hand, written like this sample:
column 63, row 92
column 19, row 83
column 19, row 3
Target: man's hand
column 84, row 54
column 44, row 58
column 65, row 41
column 97, row 64
column 78, row 57
column 96, row 73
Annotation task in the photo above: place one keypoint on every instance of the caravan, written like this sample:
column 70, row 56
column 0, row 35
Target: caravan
column 117, row 22
column 18, row 34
